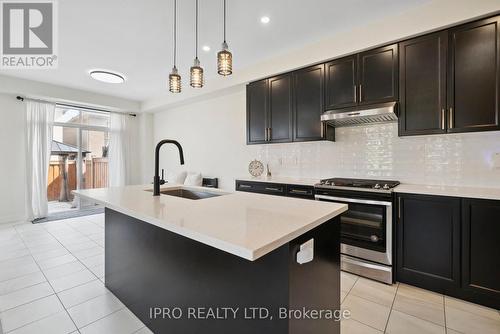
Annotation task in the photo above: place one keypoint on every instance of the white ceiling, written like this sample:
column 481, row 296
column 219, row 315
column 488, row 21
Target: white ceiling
column 135, row 37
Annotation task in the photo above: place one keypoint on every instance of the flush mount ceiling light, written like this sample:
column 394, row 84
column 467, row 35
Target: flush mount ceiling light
column 224, row 57
column 206, row 48
column 265, row 19
column 196, row 80
column 174, row 79
column 107, row 76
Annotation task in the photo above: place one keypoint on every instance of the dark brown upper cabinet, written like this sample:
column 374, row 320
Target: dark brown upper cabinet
column 288, row 108
column 378, row 75
column 280, row 109
column 422, row 80
column 257, row 114
column 341, row 87
column 308, row 99
column 473, row 78
column 364, row 78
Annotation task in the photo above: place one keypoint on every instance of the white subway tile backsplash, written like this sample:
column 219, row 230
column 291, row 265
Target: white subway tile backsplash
column 376, row 151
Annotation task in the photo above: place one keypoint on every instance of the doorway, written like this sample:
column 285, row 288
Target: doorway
column 79, row 158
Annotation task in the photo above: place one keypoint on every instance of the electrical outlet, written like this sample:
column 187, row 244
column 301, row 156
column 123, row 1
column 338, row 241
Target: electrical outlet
column 495, row 160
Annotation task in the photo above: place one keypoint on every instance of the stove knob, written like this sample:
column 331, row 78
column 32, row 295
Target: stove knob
column 386, row 187
column 376, row 186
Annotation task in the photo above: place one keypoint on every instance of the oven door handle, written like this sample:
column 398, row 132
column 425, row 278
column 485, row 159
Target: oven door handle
column 352, row 200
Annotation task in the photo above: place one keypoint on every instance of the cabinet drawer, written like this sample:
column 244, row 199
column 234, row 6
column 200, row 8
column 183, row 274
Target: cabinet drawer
column 300, row 191
column 261, row 187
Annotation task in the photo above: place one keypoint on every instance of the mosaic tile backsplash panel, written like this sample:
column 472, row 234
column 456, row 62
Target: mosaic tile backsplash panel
column 376, row 151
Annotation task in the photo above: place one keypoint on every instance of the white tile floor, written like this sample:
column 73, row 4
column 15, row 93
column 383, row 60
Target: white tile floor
column 51, row 281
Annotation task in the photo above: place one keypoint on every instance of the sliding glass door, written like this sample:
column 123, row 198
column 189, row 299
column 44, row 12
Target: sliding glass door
column 79, row 158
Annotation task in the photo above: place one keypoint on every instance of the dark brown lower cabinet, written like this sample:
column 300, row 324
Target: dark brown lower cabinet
column 428, row 242
column 450, row 245
column 481, row 249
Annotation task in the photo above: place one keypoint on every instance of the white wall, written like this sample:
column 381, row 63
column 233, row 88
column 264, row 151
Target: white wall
column 12, row 125
column 12, row 159
column 212, row 133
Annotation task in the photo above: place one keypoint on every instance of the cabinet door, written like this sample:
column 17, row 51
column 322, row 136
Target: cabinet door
column 280, row 108
column 481, row 248
column 257, row 112
column 308, row 98
column 428, row 242
column 422, row 82
column 341, row 81
column 378, row 75
column 474, row 76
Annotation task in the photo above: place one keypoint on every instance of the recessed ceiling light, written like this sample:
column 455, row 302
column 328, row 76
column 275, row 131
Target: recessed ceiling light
column 106, row 76
column 206, row 48
column 265, row 19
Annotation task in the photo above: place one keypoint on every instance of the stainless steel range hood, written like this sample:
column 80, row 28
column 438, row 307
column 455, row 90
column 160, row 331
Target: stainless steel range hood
column 375, row 113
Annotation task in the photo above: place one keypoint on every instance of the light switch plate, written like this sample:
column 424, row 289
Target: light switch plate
column 306, row 253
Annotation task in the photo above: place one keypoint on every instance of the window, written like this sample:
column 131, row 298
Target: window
column 79, row 157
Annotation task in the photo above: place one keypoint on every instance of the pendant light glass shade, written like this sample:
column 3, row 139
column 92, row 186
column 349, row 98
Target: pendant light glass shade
column 224, row 57
column 174, row 81
column 196, row 71
column 196, row 74
column 224, row 61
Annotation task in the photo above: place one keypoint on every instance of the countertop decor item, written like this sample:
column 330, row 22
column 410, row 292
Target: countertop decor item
column 256, row 168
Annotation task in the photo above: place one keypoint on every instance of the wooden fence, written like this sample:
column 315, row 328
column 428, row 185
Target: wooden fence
column 95, row 175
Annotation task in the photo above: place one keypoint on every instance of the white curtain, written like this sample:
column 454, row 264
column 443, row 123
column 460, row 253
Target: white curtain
column 120, row 146
column 39, row 125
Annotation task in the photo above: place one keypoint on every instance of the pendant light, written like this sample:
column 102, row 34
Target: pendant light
column 174, row 79
column 196, row 80
column 224, row 57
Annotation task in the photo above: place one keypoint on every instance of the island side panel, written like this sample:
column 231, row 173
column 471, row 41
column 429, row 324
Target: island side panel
column 147, row 266
column 316, row 285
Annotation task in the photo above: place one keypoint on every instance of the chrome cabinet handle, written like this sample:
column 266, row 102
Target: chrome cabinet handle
column 302, row 192
column 399, row 208
column 322, row 130
column 270, row 134
column 245, row 186
column 274, row 189
column 355, row 93
column 266, row 135
column 443, row 119
column 360, row 93
column 451, row 118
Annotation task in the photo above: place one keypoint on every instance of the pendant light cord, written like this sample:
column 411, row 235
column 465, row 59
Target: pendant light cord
column 196, row 25
column 175, row 32
column 224, row 21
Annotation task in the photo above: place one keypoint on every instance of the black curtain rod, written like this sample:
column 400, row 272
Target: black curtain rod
column 20, row 98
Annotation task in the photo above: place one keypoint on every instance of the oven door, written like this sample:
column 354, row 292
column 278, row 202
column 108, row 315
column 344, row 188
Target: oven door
column 366, row 228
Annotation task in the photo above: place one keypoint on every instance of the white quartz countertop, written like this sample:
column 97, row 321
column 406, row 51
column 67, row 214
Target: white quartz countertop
column 281, row 179
column 452, row 191
column 244, row 224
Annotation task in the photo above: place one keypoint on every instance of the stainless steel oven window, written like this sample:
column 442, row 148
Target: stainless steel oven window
column 368, row 254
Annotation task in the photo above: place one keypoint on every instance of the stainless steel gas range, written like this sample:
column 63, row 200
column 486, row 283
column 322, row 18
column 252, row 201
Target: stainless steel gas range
column 366, row 227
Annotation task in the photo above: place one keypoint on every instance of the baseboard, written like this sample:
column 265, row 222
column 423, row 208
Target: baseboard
column 12, row 219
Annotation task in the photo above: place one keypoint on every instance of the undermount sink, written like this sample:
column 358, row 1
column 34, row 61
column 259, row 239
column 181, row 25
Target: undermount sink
column 189, row 193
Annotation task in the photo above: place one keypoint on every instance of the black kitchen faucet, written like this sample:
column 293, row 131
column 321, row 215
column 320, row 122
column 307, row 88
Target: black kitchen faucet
column 156, row 189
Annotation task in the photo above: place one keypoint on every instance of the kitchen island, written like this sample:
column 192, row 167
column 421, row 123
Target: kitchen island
column 195, row 260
